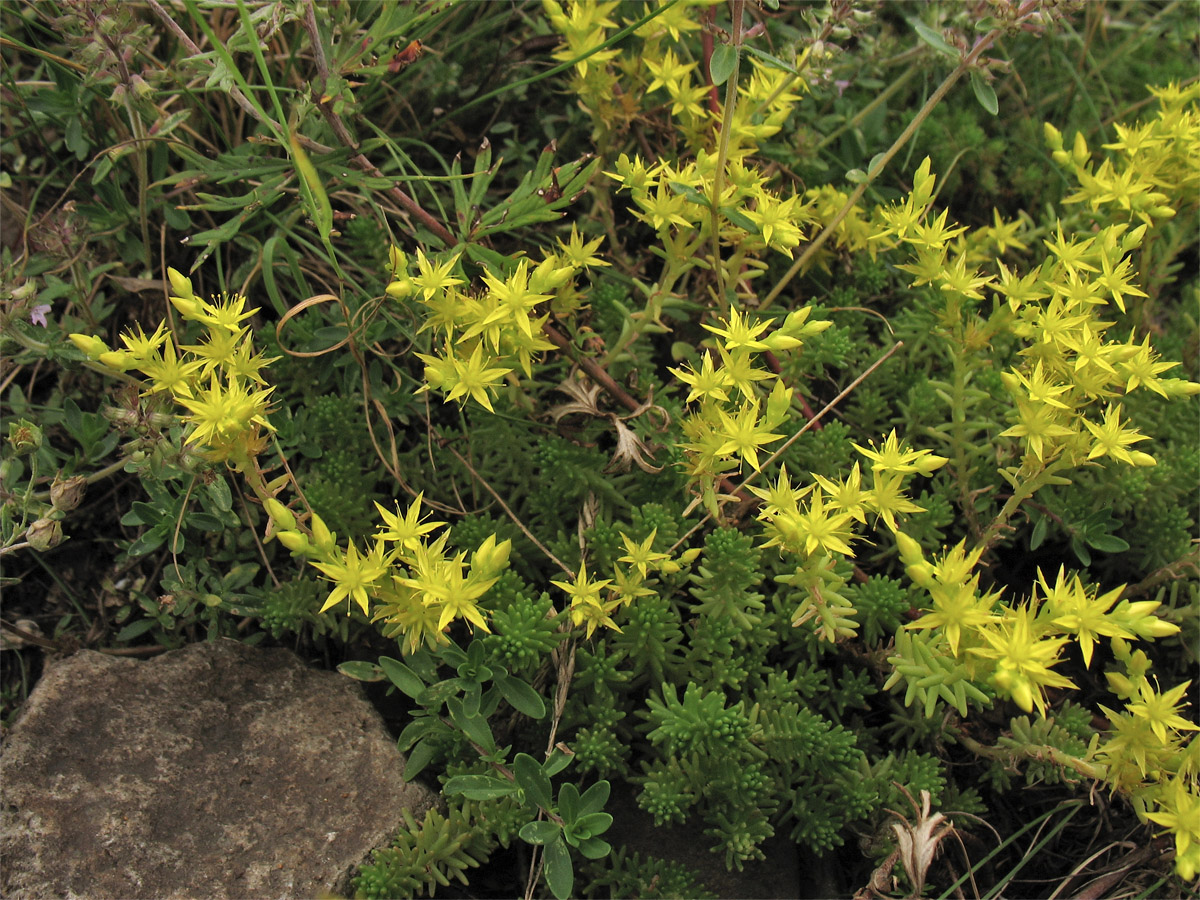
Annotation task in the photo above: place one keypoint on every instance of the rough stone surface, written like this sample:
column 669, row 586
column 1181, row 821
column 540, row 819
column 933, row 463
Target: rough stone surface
column 218, row 770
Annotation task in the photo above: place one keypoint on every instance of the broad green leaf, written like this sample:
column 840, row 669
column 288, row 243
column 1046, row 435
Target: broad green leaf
column 136, row 629
column 520, row 696
column 1108, row 543
column 932, row 38
column 568, row 803
column 417, row 759
column 688, row 191
column 479, row 787
column 724, row 58
column 594, row 848
column 474, row 727
column 402, row 676
column 984, row 93
column 559, row 875
column 205, row 522
column 218, row 491
column 594, row 798
column 539, row 832
column 556, row 763
column 361, row 670
column 740, row 219
column 533, row 781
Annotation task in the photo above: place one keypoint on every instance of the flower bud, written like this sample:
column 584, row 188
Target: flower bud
column 181, row 284
column 928, row 463
column 910, row 550
column 140, row 86
column 44, row 534
column 24, row 436
column 922, row 574
column 1053, row 136
column 400, row 289
column 322, row 536
column 1133, row 239
column 397, row 261
column 1080, row 152
column 120, row 360
column 294, row 541
column 188, row 307
column 491, row 558
column 92, row 346
column 68, row 494
column 283, row 517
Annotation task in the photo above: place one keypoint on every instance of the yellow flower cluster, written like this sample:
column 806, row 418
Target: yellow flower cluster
column 486, row 335
column 819, row 532
column 1156, row 165
column 218, row 381
column 1015, row 649
column 1067, row 394
column 593, row 602
column 409, row 584
column 731, row 423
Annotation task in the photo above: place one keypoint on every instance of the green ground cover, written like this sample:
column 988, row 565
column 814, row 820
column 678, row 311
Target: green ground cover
column 784, row 414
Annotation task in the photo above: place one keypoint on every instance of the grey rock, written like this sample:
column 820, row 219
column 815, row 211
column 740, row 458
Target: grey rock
column 218, row 770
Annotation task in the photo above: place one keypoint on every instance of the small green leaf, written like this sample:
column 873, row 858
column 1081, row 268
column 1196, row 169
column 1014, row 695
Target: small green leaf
column 462, row 206
column 474, row 727
column 594, row 848
column 724, row 58
column 1108, row 543
column 984, row 93
column 361, row 670
column 472, row 694
column 557, row 762
column 218, row 491
column 740, row 219
column 773, row 62
column 688, row 191
column 417, row 759
column 520, row 696
column 205, row 522
column 533, row 781
column 568, row 803
column 593, row 824
column 559, row 875
column 136, row 629
column 1038, row 535
column 479, row 787
column 932, row 38
column 539, row 832
column 594, row 798
column 148, row 542
column 402, row 676
column 414, row 731
column 437, row 694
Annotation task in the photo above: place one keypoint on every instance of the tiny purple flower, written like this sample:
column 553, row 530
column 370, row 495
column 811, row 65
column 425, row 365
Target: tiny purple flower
column 37, row 315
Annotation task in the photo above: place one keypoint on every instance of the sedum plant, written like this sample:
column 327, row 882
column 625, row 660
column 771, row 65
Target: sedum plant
column 651, row 498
